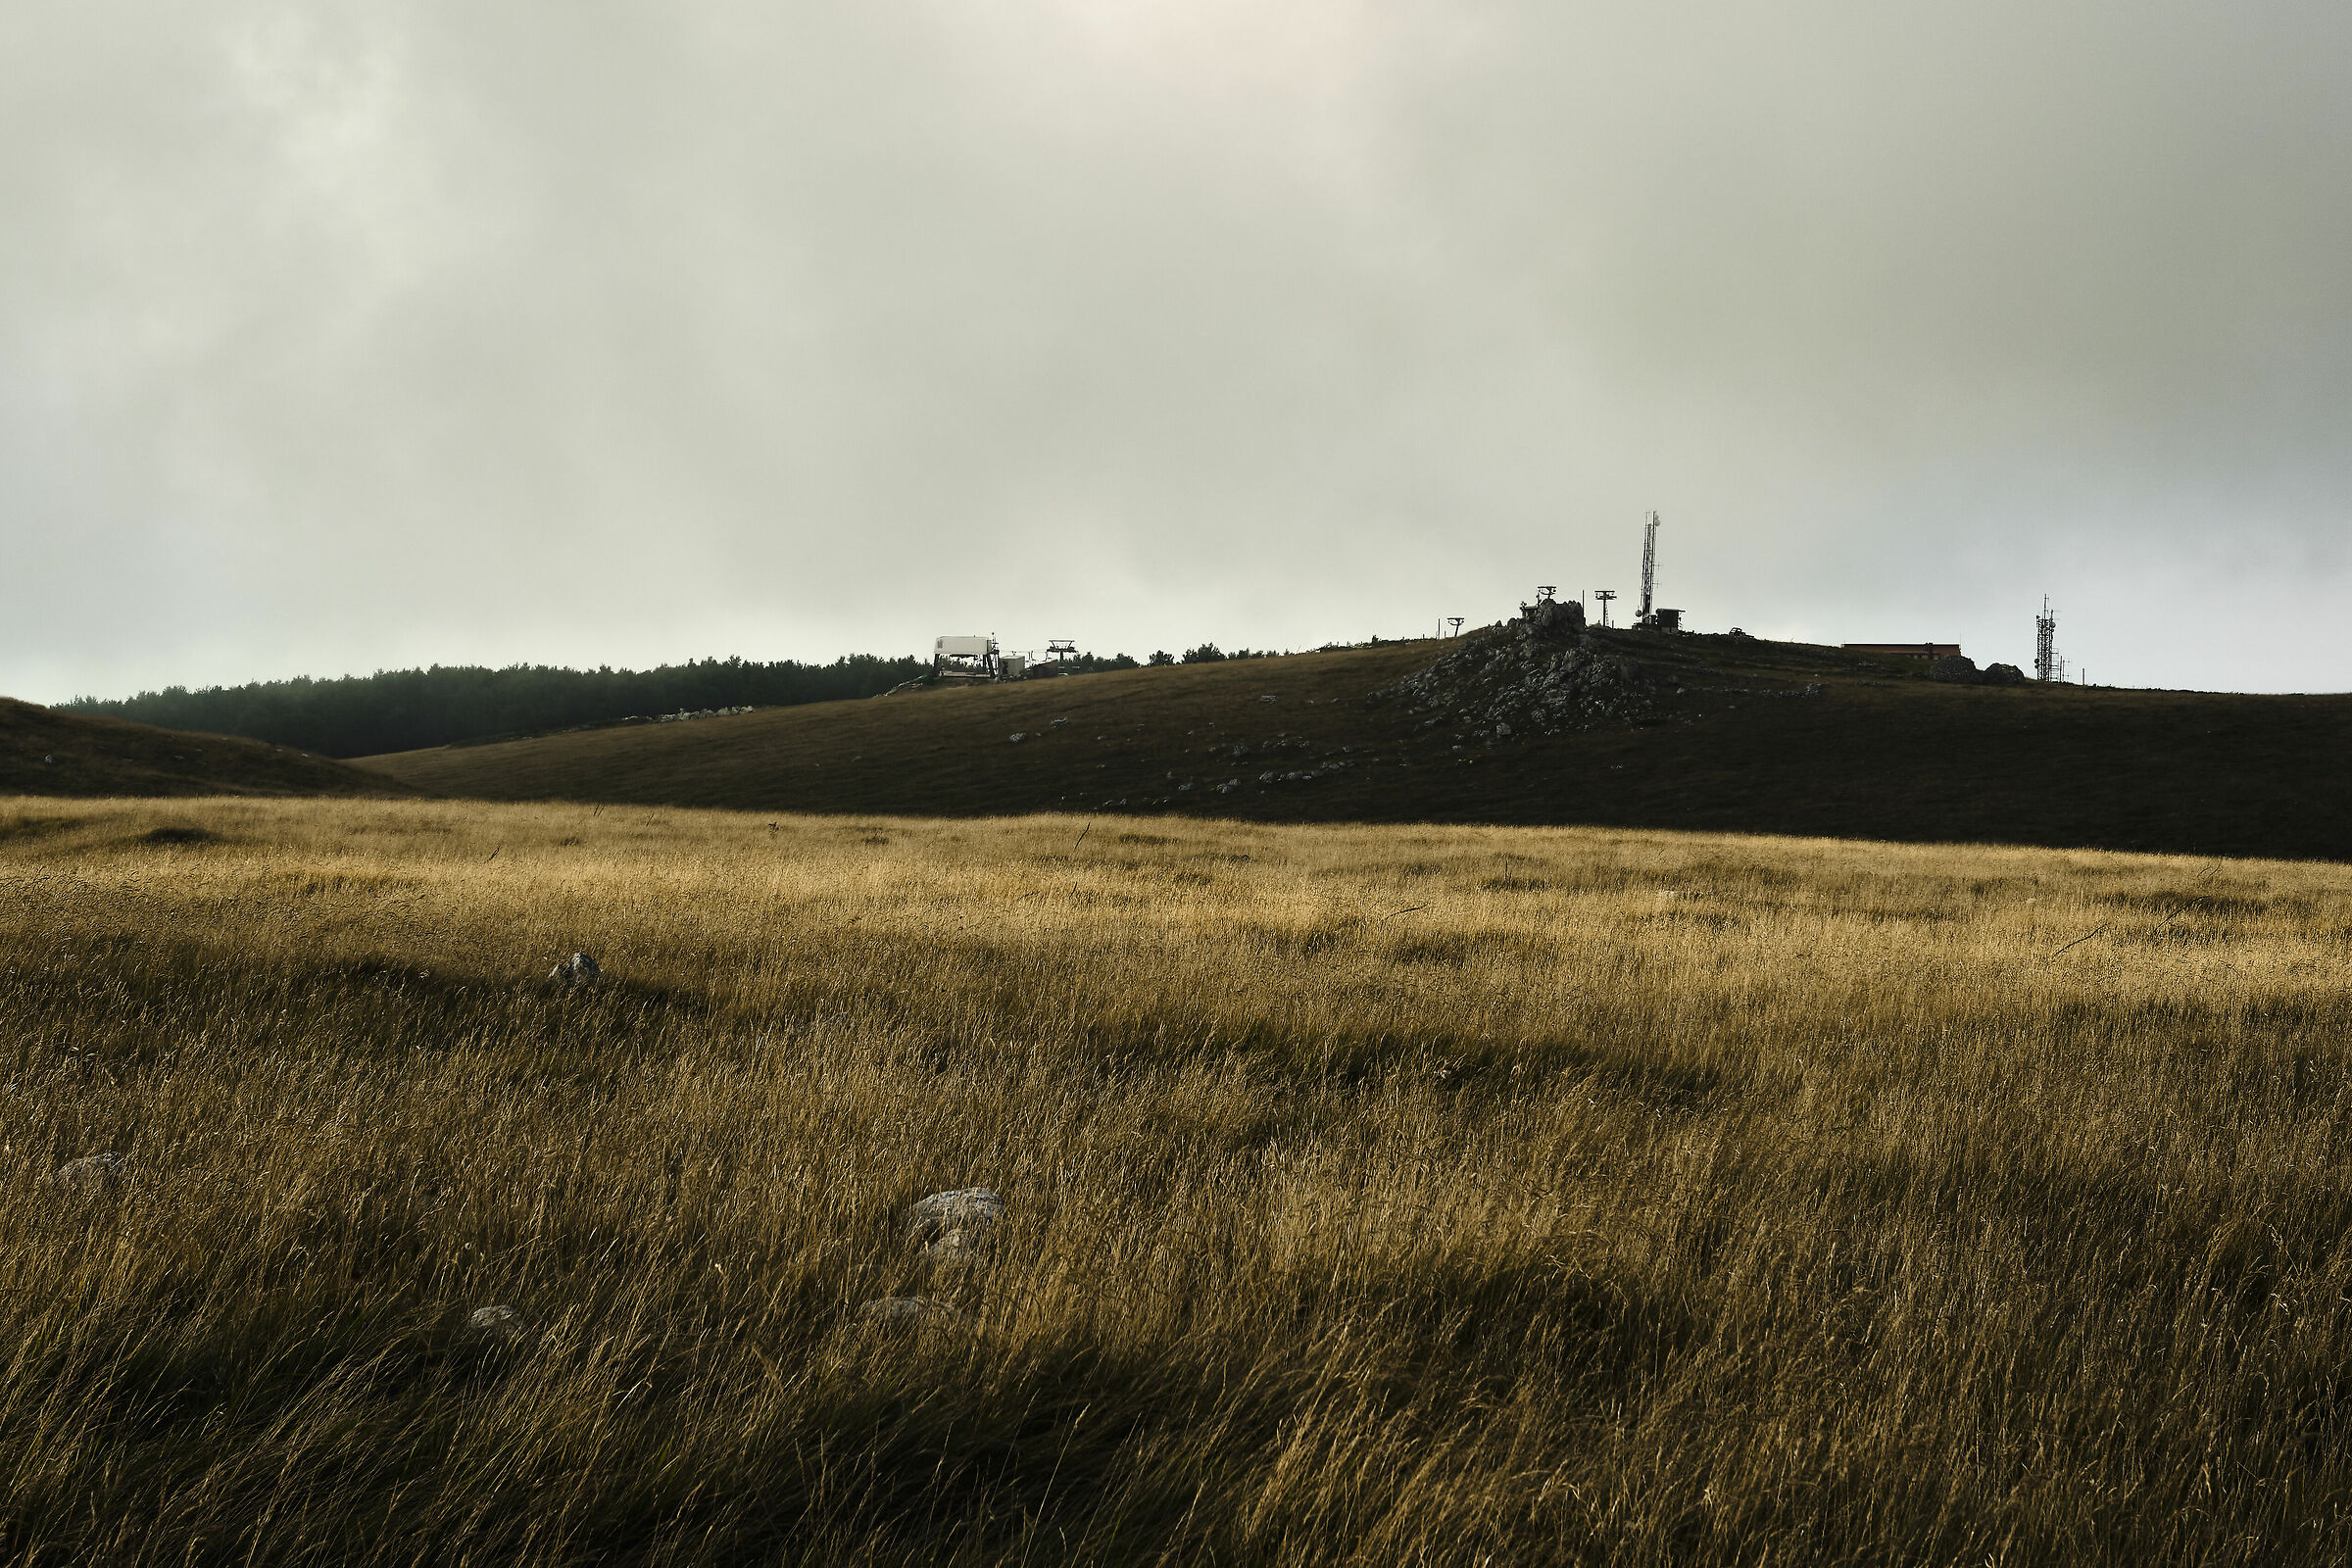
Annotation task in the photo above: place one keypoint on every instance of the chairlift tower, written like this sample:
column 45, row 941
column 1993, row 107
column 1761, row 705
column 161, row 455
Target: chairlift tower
column 1455, row 622
column 1604, row 595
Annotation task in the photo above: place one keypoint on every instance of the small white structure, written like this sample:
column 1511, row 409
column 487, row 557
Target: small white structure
column 973, row 659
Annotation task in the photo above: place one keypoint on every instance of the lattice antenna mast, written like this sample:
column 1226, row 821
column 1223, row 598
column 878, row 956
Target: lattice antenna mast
column 2046, row 643
column 1649, row 562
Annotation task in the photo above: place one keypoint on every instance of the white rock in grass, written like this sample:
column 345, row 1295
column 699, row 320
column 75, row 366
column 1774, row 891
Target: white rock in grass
column 575, row 971
column 91, row 1172
column 970, row 1210
column 500, row 1320
column 960, row 1249
column 903, row 1309
column 908, row 1313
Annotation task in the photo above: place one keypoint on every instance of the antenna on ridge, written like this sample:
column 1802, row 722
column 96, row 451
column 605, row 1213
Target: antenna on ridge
column 2046, row 664
column 1649, row 565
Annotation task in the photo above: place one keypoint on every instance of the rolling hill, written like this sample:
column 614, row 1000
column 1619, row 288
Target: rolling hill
column 45, row 752
column 1618, row 728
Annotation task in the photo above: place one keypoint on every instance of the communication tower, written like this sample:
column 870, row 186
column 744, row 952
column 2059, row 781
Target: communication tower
column 2047, row 665
column 1649, row 564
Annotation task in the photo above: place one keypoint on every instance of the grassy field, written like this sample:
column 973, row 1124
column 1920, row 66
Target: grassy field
column 1374, row 1195
column 1881, row 754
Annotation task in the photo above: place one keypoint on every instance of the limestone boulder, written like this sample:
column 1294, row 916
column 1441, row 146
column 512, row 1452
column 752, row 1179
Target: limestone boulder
column 969, row 1210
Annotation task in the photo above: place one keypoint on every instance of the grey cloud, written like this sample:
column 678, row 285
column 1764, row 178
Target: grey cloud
column 354, row 335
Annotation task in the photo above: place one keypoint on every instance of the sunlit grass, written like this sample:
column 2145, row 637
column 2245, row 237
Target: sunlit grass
column 1375, row 1195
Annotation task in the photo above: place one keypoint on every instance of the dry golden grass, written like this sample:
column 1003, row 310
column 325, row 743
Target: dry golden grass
column 1394, row 1195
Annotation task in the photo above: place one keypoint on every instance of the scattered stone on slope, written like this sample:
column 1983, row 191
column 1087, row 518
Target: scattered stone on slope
column 685, row 714
column 575, row 971
column 1956, row 669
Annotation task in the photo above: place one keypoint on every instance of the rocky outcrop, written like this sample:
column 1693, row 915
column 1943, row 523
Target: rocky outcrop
column 1958, row 669
column 1542, row 672
column 1552, row 618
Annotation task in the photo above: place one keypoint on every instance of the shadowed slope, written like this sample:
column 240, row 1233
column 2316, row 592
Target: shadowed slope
column 1721, row 734
column 43, row 752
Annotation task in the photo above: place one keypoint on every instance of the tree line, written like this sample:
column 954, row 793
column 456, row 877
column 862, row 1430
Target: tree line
column 402, row 709
column 1206, row 654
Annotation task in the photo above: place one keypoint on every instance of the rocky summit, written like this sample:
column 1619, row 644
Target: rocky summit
column 1545, row 674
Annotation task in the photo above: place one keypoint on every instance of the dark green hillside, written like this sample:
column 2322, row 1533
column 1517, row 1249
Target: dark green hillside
column 44, row 752
column 399, row 709
column 1685, row 732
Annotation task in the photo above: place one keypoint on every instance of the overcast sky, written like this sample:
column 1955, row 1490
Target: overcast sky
column 345, row 336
